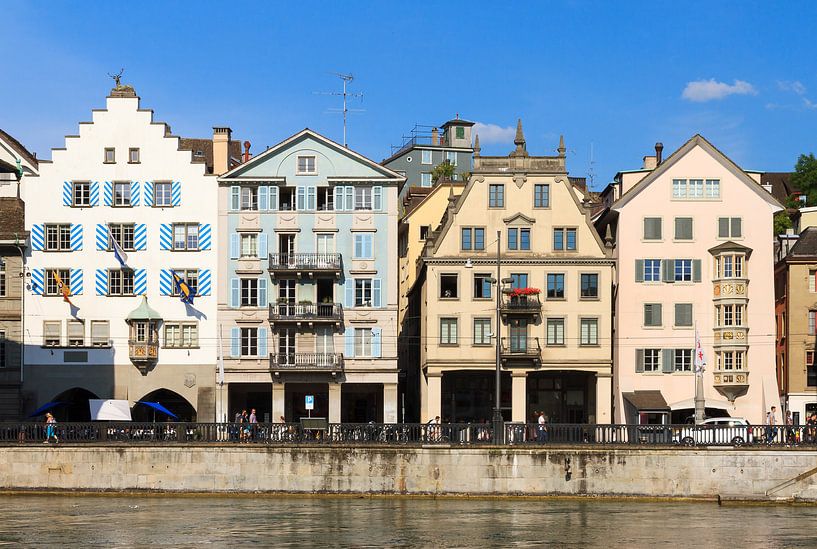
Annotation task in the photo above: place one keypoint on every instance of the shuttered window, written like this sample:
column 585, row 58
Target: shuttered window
column 683, row 228
column 652, row 314
column 683, row 314
column 730, row 227
column 652, row 228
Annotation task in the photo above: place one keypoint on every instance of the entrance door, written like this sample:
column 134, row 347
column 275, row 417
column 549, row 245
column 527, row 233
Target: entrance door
column 286, row 346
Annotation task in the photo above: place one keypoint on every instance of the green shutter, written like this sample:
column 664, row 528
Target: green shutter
column 723, row 227
column 696, row 270
column 668, row 270
column 639, row 270
column 639, row 361
column 657, row 314
column 736, row 228
column 668, row 360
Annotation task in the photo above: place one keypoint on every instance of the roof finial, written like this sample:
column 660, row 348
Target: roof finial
column 561, row 148
column 476, row 145
column 520, row 137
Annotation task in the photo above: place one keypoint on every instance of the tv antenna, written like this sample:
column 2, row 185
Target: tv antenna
column 347, row 79
column 591, row 171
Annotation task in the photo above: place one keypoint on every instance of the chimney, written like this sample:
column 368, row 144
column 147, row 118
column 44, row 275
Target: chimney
column 247, row 155
column 435, row 136
column 221, row 150
column 649, row 163
column 659, row 150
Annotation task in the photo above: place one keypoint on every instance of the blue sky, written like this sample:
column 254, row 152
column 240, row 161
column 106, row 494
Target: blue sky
column 617, row 75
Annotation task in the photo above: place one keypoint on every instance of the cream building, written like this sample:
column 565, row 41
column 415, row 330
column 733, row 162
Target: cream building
column 694, row 247
column 555, row 279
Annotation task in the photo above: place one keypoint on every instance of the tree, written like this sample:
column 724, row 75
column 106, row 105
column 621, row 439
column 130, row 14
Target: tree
column 782, row 221
column 444, row 170
column 805, row 177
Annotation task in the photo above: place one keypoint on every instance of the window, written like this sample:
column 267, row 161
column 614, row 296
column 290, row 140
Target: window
column 286, row 198
column 426, row 158
column 163, row 194
column 696, row 189
column 730, row 360
column 679, row 188
column 713, row 188
column 122, row 233
column 589, row 285
column 249, row 198
column 81, row 194
column 812, row 281
column 191, row 277
column 496, row 196
column 812, row 322
column 589, row 331
column 448, row 331
column 425, row 179
column 683, row 228
column 482, row 331
column 2, row 349
column 513, row 239
column 181, row 335
column 52, row 333
column 465, row 242
column 556, row 331
column 424, row 230
column 555, row 286
column 133, row 155
column 326, row 199
column 730, row 266
column 683, row 270
column 363, row 342
column 683, row 315
column 652, row 228
column 541, row 196
column 121, row 194
column 325, row 243
column 518, row 239
column 120, row 282
column 307, row 165
column 652, row 315
column 363, row 246
column 110, row 155
column 459, row 132
column 58, row 238
column 249, row 292
column 564, row 239
column 363, row 292
column 448, row 286
column 363, row 198
column 451, row 157
column 811, row 370
column 100, row 333
column 2, row 277
column 482, row 286
column 651, row 362
column 652, row 270
column 76, row 333
column 683, row 360
column 472, row 238
column 729, row 315
column 249, row 341
column 249, row 245
column 51, row 284
column 729, row 227
column 185, row 236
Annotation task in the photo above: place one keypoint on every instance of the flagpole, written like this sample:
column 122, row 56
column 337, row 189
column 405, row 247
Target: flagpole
column 699, row 379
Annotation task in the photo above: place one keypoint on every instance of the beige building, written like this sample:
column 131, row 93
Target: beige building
column 554, row 277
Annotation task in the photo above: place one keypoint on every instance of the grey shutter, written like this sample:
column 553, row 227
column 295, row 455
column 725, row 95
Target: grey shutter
column 235, row 292
column 683, row 314
column 736, row 227
column 639, row 361
column 639, row 270
column 668, row 270
column 696, row 270
column 657, row 314
column 723, row 227
column 668, row 360
column 683, row 228
column 647, row 314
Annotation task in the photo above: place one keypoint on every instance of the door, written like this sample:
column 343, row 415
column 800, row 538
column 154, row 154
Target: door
column 286, row 346
column 286, row 246
column 324, row 345
column 519, row 336
column 325, row 244
column 286, row 297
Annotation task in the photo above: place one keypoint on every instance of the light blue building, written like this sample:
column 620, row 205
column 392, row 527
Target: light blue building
column 307, row 284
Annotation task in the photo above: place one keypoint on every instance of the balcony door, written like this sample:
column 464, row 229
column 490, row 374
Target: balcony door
column 520, row 280
column 286, row 346
column 519, row 336
column 286, row 296
column 325, row 245
column 286, row 247
column 324, row 344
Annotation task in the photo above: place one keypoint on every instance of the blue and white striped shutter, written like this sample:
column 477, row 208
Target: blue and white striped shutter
column 273, row 198
column 262, row 342
column 147, row 193
column 101, row 281
column 235, row 292
column 301, row 203
column 107, row 193
column 377, row 198
column 140, row 237
column 38, row 281
column 262, row 291
column 376, row 342
column 38, row 237
column 263, row 246
column 235, row 246
column 101, row 237
column 350, row 199
column 140, row 281
column 67, row 193
column 165, row 282
column 95, row 193
column 376, row 284
column 235, row 342
column 312, row 198
column 337, row 193
column 176, row 193
column 205, row 236
column 349, row 297
column 165, row 236
column 235, row 198
column 349, row 343
column 135, row 187
column 76, row 281
column 263, row 198
column 204, row 282
column 76, row 237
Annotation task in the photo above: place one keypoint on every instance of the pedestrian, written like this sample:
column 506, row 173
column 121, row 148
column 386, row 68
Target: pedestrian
column 244, row 425
column 771, row 429
column 50, row 430
column 790, row 435
column 542, row 430
column 253, row 423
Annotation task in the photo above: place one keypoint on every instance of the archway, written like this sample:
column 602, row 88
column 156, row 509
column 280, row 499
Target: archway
column 169, row 399
column 74, row 405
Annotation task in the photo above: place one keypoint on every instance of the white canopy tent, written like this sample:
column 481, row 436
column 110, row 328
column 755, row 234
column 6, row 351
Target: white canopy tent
column 109, row 410
column 709, row 403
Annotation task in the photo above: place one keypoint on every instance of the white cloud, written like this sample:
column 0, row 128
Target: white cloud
column 491, row 133
column 797, row 87
column 700, row 91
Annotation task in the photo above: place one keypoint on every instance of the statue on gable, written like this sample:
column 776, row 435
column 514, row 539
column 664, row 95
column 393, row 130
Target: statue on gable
column 121, row 89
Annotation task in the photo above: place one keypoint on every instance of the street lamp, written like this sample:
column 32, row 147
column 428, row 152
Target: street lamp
column 499, row 423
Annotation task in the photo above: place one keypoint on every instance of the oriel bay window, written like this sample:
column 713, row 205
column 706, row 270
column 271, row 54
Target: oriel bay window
column 730, row 266
column 730, row 360
column 120, row 282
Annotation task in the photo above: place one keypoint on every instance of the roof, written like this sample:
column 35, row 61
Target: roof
column 205, row 147
column 806, row 245
column 18, row 148
column 730, row 247
column 646, row 400
column 143, row 312
column 457, row 122
column 782, row 187
column 418, row 195
column 12, row 219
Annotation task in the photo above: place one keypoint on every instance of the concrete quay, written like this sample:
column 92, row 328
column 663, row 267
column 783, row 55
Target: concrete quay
column 725, row 474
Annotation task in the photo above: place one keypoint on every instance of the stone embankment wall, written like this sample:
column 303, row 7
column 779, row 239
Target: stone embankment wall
column 733, row 473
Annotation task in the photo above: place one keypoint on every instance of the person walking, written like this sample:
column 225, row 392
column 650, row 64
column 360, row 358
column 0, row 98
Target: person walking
column 542, row 430
column 791, row 438
column 253, row 424
column 771, row 429
column 50, row 428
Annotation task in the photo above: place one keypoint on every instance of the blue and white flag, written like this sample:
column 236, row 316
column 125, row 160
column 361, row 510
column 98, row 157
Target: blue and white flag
column 118, row 252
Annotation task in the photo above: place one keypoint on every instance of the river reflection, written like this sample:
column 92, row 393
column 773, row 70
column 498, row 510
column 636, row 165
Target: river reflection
column 130, row 521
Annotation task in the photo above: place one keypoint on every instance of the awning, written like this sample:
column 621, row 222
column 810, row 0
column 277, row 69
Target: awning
column 708, row 403
column 647, row 401
column 159, row 408
column 44, row 408
column 109, row 409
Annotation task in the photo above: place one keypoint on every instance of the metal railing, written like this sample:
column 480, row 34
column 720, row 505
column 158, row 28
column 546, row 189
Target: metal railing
column 307, row 361
column 297, row 261
column 678, row 436
column 525, row 347
column 331, row 312
column 527, row 304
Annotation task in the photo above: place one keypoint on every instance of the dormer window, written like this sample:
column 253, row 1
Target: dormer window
column 307, row 165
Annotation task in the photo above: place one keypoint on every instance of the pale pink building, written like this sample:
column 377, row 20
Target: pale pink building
column 694, row 247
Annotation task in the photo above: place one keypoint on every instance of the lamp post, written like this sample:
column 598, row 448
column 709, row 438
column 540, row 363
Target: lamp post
column 499, row 423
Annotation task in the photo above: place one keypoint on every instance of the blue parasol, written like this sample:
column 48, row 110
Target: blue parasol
column 44, row 408
column 158, row 407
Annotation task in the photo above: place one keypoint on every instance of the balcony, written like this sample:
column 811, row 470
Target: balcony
column 305, row 264
column 306, row 313
column 306, row 362
column 522, row 351
column 731, row 383
column 520, row 305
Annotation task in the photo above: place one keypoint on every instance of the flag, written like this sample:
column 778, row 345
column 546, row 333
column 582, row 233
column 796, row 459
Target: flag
column 185, row 294
column 63, row 288
column 118, row 252
column 700, row 358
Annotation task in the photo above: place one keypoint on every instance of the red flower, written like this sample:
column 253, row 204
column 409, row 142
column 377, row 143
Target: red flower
column 517, row 292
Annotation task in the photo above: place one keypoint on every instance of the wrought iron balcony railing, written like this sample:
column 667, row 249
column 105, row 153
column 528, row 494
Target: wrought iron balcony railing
column 306, row 312
column 324, row 362
column 305, row 263
column 523, row 304
column 524, row 348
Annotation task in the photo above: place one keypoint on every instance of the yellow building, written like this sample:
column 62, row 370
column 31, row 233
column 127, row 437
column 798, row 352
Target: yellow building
column 521, row 228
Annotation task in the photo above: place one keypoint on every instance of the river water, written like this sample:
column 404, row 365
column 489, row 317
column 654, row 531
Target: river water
column 130, row 521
